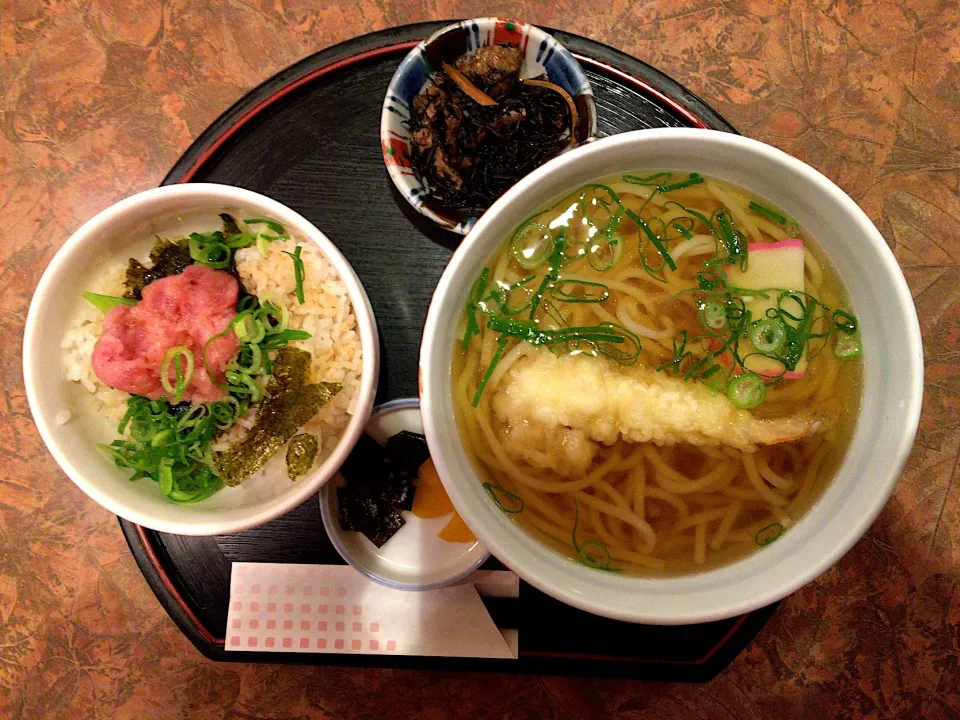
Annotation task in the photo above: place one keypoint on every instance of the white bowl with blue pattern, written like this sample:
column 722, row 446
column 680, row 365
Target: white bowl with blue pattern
column 543, row 55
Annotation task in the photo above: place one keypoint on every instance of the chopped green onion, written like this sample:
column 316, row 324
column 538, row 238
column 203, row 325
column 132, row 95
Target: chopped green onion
column 848, row 348
column 747, row 391
column 556, row 261
column 531, row 245
column 768, row 335
column 239, row 240
column 210, row 250
column 582, row 553
column 493, row 490
column 605, row 252
column 654, row 180
column 845, row 322
column 472, row 306
column 175, row 392
column 165, row 476
column 105, row 303
column 272, row 224
column 713, row 315
column 494, row 361
column 767, row 213
column 732, row 239
column 651, row 236
column 172, row 447
column 278, row 340
column 768, row 534
column 695, row 179
column 277, row 311
column 561, row 295
column 297, row 271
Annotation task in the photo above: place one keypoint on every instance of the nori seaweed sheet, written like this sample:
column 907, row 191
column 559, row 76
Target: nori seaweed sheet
column 301, row 452
column 172, row 258
column 380, row 484
column 288, row 403
column 168, row 258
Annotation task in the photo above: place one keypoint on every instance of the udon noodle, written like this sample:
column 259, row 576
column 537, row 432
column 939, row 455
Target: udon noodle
column 646, row 274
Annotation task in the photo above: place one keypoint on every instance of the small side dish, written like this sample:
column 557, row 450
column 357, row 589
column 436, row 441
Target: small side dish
column 217, row 352
column 388, row 514
column 478, row 127
column 474, row 108
column 382, row 481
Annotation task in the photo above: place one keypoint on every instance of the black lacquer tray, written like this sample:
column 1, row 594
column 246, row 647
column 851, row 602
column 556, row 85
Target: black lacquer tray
column 309, row 137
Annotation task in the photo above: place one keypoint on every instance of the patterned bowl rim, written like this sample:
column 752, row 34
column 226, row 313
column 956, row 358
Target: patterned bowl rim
column 407, row 184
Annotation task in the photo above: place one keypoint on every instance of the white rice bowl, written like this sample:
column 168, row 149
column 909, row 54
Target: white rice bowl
column 326, row 313
column 75, row 411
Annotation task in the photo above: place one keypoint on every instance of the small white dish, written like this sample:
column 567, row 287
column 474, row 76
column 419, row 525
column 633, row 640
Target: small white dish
column 125, row 230
column 415, row 558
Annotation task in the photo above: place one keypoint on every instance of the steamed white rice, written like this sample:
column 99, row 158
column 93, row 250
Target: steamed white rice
column 327, row 314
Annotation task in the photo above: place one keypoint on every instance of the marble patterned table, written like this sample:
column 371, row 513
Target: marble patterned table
column 100, row 98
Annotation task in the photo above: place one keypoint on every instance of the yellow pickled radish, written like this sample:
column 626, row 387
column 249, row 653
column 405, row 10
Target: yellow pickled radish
column 456, row 530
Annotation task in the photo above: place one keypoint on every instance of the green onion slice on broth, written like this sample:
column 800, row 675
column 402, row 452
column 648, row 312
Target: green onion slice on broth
column 595, row 225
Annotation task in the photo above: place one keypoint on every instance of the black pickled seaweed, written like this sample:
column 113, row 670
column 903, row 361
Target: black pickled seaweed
column 379, row 484
column 469, row 154
column 288, row 403
column 167, row 258
column 301, row 452
column 407, row 451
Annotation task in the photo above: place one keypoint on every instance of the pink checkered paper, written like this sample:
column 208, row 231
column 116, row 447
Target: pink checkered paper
column 278, row 607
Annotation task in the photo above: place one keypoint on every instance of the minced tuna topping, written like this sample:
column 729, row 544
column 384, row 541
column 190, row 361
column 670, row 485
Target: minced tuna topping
column 184, row 310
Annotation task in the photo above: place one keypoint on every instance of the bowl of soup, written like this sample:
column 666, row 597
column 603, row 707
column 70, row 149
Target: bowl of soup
column 672, row 376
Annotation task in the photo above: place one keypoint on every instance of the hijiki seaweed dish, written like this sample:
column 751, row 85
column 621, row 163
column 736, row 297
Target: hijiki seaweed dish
column 219, row 352
column 477, row 128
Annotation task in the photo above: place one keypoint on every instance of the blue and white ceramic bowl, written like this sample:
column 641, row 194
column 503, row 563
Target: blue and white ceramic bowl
column 542, row 55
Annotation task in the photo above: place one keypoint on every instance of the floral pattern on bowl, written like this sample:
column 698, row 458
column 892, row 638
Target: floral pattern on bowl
column 542, row 55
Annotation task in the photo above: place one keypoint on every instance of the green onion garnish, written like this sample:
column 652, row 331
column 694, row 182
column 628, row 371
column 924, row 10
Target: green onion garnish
column 272, row 224
column 531, row 245
column 105, row 303
column 165, row 476
column 495, row 490
column 582, row 548
column 767, row 213
column 768, row 534
column 297, row 271
column 175, row 392
column 210, row 250
column 768, row 335
column 695, row 179
column 747, row 391
column 713, row 315
column 170, row 447
column 848, row 348
column 589, row 295
column 604, row 252
column 652, row 237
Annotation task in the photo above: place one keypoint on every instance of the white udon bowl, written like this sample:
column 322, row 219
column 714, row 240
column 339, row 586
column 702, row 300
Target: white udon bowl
column 892, row 382
column 126, row 230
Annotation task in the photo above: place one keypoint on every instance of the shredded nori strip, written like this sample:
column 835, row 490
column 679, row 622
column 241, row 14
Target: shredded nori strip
column 230, row 226
column 289, row 402
column 301, row 452
column 380, row 483
column 468, row 154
